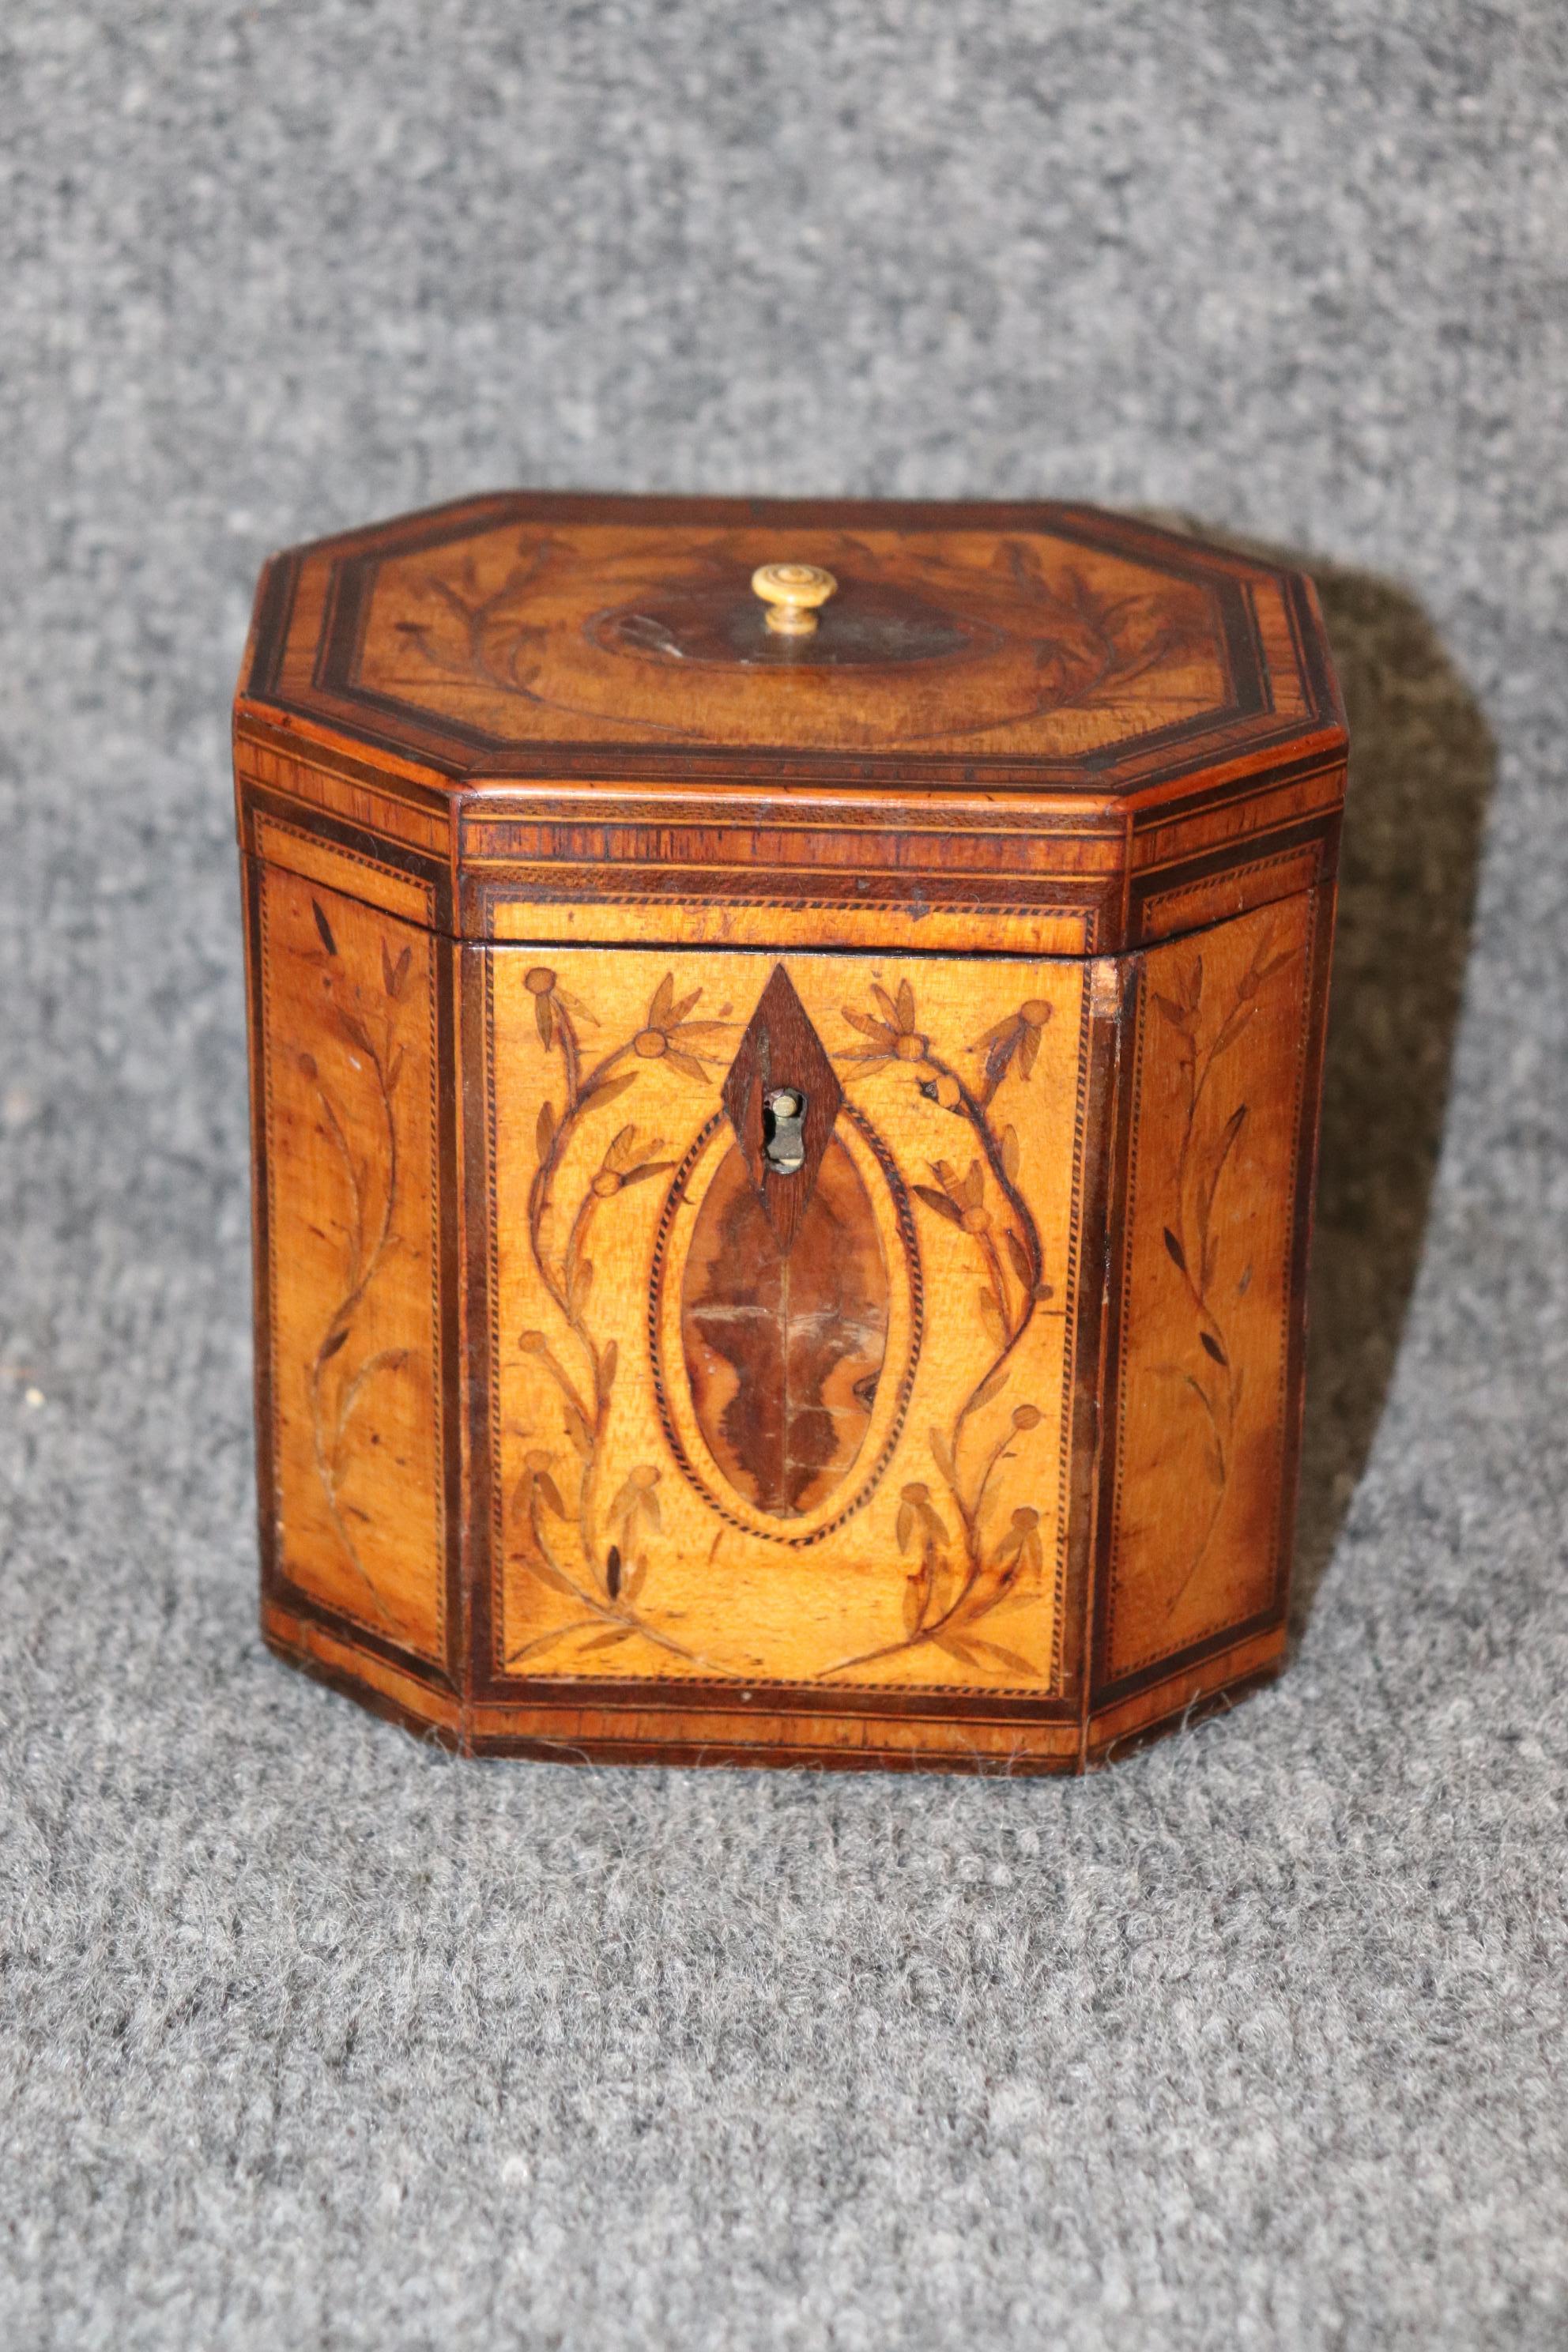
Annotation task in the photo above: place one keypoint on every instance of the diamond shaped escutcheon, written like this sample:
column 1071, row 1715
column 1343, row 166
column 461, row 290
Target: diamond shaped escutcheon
column 781, row 1053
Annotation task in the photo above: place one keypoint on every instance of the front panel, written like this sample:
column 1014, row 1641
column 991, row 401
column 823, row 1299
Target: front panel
column 781, row 1292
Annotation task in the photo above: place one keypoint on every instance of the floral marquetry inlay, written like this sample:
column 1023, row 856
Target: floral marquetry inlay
column 1206, row 1297
column 757, row 1434
column 351, row 1273
column 1016, row 641
column 786, row 1050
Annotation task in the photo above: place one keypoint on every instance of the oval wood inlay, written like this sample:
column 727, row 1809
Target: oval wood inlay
column 783, row 1349
column 722, row 623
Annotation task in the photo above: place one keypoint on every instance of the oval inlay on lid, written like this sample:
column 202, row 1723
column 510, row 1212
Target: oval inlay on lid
column 721, row 624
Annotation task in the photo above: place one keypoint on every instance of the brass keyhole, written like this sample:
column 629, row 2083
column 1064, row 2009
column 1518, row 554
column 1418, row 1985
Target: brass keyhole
column 783, row 1143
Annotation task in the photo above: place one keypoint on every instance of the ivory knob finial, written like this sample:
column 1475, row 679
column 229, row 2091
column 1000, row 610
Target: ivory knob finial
column 792, row 593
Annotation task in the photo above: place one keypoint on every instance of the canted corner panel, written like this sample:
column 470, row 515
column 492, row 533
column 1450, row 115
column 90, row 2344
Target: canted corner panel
column 1215, row 863
column 1184, row 1693
column 1229, row 891
column 356, row 795
column 347, row 1046
column 1207, row 1307
column 744, row 1435
column 339, row 868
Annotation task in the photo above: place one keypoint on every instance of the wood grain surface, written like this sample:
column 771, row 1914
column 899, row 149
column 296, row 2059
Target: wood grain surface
column 784, row 1167
column 355, row 1405
column 728, row 1450
column 613, row 633
column 1050, row 637
column 1207, row 1284
column 782, row 1342
column 1037, row 728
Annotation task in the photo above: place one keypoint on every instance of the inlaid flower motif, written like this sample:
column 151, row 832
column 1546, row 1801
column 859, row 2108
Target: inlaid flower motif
column 964, row 1548
column 539, row 1477
column 1020, row 1548
column 894, row 1037
column 918, row 1516
column 627, row 1161
column 961, row 1200
column 638, row 1502
column 669, row 1033
column 550, row 1000
column 1015, row 1040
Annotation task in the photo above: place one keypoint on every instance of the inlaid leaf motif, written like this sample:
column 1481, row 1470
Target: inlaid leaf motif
column 997, row 1654
column 939, row 1201
column 395, row 974
column 551, row 1576
column 1193, row 1238
column 955, row 1647
column 359, row 979
column 549, row 1492
column 784, row 1347
column 1208, row 1186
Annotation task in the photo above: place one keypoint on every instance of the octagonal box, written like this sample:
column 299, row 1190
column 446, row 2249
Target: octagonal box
column 782, row 1158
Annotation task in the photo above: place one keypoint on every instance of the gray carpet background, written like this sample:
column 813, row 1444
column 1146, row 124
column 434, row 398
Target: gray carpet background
column 310, row 2038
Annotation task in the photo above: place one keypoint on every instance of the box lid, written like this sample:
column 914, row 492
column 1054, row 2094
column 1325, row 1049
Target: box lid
column 888, row 702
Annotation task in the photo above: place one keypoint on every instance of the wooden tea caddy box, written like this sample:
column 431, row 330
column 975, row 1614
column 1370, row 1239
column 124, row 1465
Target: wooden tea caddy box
column 785, row 1044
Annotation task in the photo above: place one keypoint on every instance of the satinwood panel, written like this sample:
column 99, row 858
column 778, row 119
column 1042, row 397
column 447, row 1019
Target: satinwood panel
column 348, row 1048
column 1208, row 1301
column 796, row 1423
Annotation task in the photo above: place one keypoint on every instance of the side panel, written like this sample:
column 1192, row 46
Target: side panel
column 345, row 1008
column 1208, row 1312
column 825, row 1453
